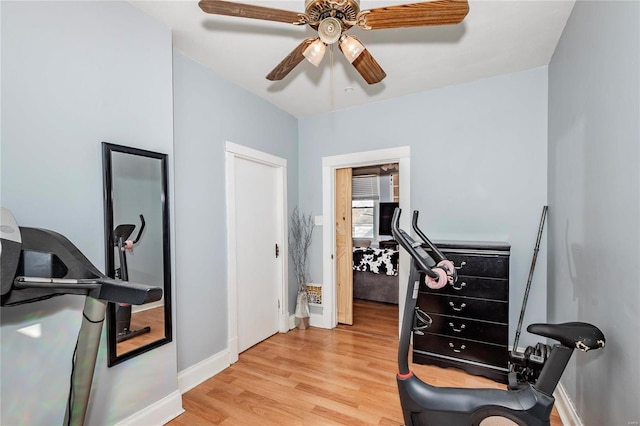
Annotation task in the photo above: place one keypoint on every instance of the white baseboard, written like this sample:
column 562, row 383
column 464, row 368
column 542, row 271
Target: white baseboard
column 315, row 320
column 565, row 407
column 234, row 351
column 158, row 413
column 292, row 322
column 192, row 376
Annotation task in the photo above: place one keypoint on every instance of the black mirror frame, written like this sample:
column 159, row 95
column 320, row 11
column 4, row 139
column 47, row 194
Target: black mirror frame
column 107, row 149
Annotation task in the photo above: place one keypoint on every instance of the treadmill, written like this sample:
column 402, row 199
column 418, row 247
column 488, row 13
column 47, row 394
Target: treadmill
column 37, row 264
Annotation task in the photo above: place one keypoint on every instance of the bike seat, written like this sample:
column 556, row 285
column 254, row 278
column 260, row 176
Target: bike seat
column 580, row 335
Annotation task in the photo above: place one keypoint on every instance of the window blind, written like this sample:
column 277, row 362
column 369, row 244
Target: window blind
column 365, row 187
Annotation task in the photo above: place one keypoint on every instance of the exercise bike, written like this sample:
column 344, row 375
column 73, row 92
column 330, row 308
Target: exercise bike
column 123, row 310
column 526, row 405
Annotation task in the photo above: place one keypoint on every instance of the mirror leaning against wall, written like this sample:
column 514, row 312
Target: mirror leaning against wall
column 136, row 217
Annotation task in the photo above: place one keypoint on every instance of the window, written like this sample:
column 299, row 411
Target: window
column 363, row 219
column 365, row 195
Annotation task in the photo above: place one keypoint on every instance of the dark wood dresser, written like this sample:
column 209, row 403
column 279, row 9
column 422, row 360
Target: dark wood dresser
column 470, row 327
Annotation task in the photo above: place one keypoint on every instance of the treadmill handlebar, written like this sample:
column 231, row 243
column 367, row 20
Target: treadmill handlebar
column 55, row 283
column 37, row 264
column 127, row 292
column 99, row 288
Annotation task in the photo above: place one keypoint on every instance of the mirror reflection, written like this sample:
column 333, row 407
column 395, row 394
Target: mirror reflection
column 137, row 236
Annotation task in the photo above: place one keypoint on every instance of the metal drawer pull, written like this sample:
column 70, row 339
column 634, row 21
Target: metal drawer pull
column 462, row 348
column 457, row 330
column 462, row 305
column 461, row 265
column 462, row 284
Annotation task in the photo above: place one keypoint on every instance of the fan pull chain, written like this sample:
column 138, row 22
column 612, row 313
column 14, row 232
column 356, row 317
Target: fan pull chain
column 331, row 100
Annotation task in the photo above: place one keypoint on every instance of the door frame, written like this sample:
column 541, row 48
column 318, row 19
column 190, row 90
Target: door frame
column 232, row 152
column 401, row 155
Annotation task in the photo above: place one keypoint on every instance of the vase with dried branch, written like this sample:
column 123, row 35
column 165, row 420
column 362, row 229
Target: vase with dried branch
column 300, row 231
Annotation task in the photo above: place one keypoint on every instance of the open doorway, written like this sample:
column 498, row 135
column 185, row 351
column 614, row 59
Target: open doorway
column 375, row 193
column 334, row 257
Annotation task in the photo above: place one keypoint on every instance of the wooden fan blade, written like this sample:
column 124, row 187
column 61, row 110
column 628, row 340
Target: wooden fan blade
column 290, row 62
column 369, row 68
column 439, row 12
column 228, row 8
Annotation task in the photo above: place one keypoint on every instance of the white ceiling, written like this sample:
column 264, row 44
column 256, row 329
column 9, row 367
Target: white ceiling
column 496, row 37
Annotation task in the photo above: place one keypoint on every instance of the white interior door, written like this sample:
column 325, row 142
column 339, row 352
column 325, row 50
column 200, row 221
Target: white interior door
column 257, row 267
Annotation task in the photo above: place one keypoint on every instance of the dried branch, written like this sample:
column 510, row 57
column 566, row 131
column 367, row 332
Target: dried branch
column 300, row 231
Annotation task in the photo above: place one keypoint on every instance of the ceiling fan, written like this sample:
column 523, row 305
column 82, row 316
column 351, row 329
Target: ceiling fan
column 333, row 18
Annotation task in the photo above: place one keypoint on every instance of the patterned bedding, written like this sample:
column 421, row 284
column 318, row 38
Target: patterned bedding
column 378, row 261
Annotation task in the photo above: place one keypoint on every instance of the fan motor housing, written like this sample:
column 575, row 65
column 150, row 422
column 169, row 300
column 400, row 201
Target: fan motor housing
column 343, row 10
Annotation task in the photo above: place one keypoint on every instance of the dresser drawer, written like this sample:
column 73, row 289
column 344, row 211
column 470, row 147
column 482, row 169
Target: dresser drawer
column 470, row 350
column 464, row 307
column 490, row 266
column 464, row 328
column 480, row 259
column 481, row 288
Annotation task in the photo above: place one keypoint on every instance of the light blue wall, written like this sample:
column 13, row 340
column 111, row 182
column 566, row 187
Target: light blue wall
column 478, row 165
column 75, row 74
column 208, row 112
column 594, row 203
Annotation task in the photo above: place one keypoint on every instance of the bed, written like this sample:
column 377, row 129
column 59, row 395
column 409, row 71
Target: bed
column 375, row 274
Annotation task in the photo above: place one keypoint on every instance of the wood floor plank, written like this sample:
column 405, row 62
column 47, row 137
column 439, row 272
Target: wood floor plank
column 199, row 406
column 344, row 376
column 335, row 394
column 240, row 409
column 337, row 416
column 191, row 419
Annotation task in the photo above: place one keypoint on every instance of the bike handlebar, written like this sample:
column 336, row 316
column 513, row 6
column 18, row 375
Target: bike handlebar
column 410, row 245
column 143, row 223
column 436, row 251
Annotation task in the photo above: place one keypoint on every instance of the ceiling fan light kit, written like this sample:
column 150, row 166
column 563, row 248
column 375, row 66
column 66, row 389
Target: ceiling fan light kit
column 332, row 18
column 315, row 52
column 350, row 47
column 329, row 30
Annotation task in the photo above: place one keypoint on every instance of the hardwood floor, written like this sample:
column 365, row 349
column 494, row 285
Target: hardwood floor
column 374, row 318
column 344, row 376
